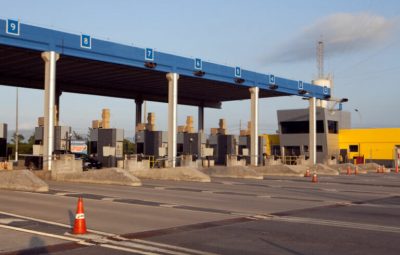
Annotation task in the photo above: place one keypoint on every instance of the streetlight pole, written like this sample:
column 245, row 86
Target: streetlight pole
column 16, row 139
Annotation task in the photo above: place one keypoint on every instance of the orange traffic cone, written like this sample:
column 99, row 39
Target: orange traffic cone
column 80, row 222
column 348, row 170
column 378, row 169
column 356, row 170
column 397, row 168
column 307, row 174
column 314, row 178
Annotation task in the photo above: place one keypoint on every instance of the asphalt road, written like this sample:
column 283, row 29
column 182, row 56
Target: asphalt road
column 277, row 215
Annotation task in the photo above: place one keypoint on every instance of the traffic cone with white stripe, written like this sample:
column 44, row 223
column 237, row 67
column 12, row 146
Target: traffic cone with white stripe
column 307, row 174
column 356, row 170
column 314, row 178
column 397, row 168
column 80, row 221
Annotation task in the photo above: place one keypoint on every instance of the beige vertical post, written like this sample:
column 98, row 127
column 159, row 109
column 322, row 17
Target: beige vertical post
column 312, row 145
column 50, row 58
column 254, row 126
column 172, row 106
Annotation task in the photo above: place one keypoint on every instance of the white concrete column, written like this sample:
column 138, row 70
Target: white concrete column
column 312, row 145
column 201, row 119
column 254, row 126
column 50, row 58
column 172, row 105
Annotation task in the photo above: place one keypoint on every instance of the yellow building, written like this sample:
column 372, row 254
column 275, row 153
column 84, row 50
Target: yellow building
column 367, row 145
column 370, row 144
column 272, row 146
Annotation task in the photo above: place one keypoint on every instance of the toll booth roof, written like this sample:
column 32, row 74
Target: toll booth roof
column 97, row 67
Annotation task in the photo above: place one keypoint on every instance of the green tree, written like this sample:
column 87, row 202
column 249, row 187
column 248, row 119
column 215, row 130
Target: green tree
column 21, row 138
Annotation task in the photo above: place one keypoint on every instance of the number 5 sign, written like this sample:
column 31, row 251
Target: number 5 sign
column 12, row 27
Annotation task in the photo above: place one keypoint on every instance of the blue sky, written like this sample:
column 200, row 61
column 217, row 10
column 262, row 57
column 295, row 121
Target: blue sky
column 362, row 48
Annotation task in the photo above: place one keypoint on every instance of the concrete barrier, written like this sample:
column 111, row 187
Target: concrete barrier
column 173, row 174
column 280, row 170
column 114, row 176
column 232, row 172
column 23, row 180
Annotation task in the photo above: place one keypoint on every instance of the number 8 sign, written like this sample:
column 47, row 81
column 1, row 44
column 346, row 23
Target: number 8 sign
column 86, row 41
column 12, row 27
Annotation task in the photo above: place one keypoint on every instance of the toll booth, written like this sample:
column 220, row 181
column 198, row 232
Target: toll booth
column 106, row 145
column 151, row 143
column 62, row 136
column 244, row 148
column 222, row 145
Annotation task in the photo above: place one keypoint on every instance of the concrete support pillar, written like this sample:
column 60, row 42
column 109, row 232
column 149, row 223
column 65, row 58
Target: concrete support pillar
column 254, row 126
column 50, row 58
column 172, row 106
column 201, row 119
column 312, row 145
column 57, row 107
column 138, row 116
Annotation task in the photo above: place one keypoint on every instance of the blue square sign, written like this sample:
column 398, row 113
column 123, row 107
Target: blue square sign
column 12, row 27
column 198, row 64
column 86, row 41
column 149, row 54
column 300, row 85
column 238, row 72
column 325, row 90
column 271, row 79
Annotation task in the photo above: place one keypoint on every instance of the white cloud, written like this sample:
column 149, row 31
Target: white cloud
column 342, row 33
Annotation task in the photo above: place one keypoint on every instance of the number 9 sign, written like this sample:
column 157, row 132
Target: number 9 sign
column 12, row 27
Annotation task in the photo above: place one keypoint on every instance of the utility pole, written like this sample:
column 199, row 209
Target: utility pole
column 16, row 138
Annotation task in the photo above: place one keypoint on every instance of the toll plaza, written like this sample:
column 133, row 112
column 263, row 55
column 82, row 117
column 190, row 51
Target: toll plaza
column 40, row 58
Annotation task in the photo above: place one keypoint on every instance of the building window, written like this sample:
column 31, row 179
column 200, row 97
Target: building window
column 319, row 148
column 305, row 148
column 332, row 127
column 353, row 148
column 300, row 127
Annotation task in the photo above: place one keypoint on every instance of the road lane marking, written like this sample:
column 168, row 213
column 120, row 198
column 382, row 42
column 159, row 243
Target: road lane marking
column 80, row 241
column 333, row 223
column 7, row 221
column 172, row 247
column 52, row 223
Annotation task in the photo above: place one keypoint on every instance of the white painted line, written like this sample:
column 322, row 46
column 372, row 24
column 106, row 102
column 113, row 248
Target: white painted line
column 168, row 205
column 264, row 196
column 146, row 248
column 43, row 234
column 65, row 193
column 160, row 188
column 7, row 221
column 53, row 223
column 127, row 249
column 173, row 247
column 341, row 224
column 109, row 199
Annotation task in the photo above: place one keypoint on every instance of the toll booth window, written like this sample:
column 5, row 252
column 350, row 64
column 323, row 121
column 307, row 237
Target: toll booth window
column 294, row 127
column 332, row 127
column 319, row 148
column 353, row 148
column 300, row 127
